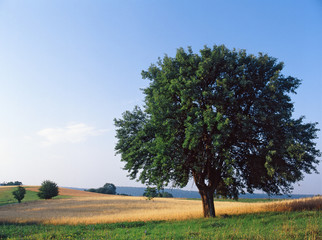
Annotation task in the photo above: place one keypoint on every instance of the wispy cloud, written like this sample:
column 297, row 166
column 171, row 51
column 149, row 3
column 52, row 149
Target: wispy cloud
column 72, row 133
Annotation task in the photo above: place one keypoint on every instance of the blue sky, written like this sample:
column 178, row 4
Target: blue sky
column 68, row 68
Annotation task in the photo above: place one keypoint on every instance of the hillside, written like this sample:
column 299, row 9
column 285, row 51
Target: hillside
column 88, row 208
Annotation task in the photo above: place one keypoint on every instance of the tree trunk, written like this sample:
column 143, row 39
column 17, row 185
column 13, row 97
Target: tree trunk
column 208, row 203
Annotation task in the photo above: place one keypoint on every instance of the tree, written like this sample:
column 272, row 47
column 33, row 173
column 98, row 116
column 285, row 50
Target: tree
column 48, row 190
column 19, row 193
column 222, row 117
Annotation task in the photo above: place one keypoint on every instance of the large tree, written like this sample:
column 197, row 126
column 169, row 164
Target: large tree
column 221, row 117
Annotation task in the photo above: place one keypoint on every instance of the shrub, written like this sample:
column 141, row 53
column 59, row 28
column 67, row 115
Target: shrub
column 19, row 193
column 48, row 190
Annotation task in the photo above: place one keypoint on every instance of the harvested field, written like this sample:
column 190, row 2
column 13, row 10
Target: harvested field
column 99, row 208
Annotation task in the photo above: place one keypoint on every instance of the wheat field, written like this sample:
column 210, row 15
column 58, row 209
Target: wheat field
column 91, row 208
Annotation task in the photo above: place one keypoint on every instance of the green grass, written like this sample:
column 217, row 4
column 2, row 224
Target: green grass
column 6, row 196
column 288, row 225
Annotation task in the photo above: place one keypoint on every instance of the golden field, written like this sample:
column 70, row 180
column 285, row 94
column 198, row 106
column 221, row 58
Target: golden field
column 89, row 208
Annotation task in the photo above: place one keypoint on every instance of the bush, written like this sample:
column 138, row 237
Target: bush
column 19, row 193
column 48, row 190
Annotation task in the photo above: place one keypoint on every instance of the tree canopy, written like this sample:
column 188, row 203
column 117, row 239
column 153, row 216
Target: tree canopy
column 222, row 117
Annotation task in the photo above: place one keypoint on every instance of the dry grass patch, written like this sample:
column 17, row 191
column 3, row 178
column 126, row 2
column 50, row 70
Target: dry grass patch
column 4, row 188
column 314, row 203
column 104, row 209
column 99, row 208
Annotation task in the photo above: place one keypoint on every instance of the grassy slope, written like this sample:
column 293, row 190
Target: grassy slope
column 6, row 196
column 288, row 225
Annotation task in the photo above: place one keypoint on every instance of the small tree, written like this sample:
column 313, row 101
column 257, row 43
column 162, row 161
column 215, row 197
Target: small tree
column 19, row 193
column 48, row 190
column 150, row 192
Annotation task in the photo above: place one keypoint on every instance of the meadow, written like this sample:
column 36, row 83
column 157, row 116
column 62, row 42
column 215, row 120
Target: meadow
column 84, row 215
column 272, row 225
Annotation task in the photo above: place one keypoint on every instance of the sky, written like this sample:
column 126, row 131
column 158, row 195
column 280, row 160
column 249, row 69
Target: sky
column 68, row 68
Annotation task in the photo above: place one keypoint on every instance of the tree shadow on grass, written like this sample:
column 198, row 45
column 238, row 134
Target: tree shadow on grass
column 127, row 225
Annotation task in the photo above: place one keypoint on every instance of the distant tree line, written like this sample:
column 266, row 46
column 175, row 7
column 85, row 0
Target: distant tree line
column 108, row 188
column 15, row 183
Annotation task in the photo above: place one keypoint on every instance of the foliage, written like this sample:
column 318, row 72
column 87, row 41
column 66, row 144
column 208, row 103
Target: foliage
column 48, row 190
column 288, row 225
column 15, row 183
column 108, row 188
column 19, row 193
column 223, row 118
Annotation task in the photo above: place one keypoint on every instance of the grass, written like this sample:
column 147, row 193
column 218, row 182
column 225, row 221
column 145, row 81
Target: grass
column 273, row 225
